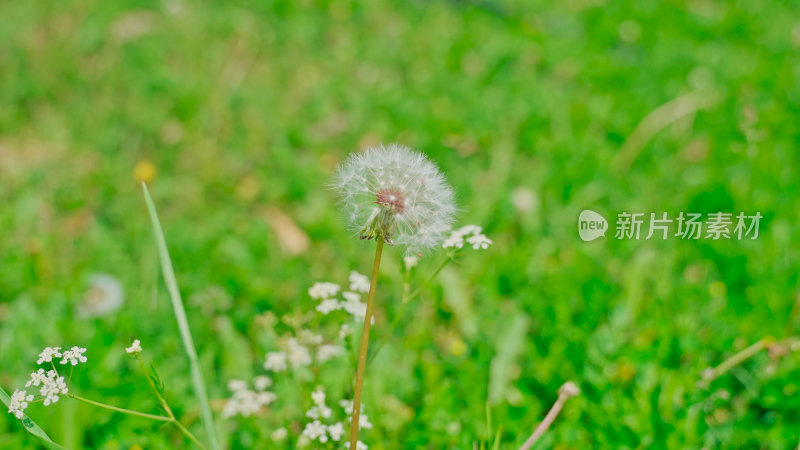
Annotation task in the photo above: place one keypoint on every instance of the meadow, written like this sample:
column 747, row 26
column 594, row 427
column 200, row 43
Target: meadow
column 236, row 114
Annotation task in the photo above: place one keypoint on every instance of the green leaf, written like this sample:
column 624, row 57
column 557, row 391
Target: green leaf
column 31, row 426
column 183, row 324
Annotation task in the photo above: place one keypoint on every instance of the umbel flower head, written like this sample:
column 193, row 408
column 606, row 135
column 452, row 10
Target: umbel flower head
column 397, row 194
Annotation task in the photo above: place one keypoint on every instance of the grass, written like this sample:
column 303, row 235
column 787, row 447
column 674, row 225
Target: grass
column 237, row 113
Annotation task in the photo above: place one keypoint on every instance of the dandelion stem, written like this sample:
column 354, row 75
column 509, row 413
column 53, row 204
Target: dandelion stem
column 121, row 410
column 567, row 391
column 362, row 354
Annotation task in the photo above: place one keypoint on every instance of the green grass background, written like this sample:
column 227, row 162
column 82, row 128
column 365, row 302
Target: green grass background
column 245, row 106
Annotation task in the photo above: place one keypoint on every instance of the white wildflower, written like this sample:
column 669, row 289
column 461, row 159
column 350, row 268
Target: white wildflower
column 351, row 297
column 359, row 446
column 411, row 261
column 358, row 282
column 320, row 410
column 246, row 402
column 336, row 431
column 262, row 382
column 347, row 406
column 105, row 296
column 472, row 234
column 323, row 290
column 297, row 354
column 279, row 434
column 328, row 305
column 73, row 356
column 237, row 385
column 135, row 348
column 275, row 361
column 467, row 230
column 316, row 431
column 18, row 403
column 327, row 352
column 480, row 241
column 345, row 331
column 453, row 241
column 37, row 378
column 396, row 194
column 363, row 422
column 355, row 307
column 48, row 354
column 363, row 419
column 52, row 387
column 308, row 337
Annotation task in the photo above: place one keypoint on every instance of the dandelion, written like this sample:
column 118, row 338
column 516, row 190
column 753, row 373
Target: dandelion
column 135, row 348
column 105, row 296
column 275, row 361
column 397, row 195
column 74, row 356
column 18, row 403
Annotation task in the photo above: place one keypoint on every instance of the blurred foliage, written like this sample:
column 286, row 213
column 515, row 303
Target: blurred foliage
column 237, row 113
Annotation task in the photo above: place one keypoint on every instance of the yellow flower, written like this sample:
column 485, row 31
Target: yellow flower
column 144, row 171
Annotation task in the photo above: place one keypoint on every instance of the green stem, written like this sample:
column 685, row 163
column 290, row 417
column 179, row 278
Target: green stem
column 405, row 300
column 362, row 354
column 166, row 407
column 121, row 410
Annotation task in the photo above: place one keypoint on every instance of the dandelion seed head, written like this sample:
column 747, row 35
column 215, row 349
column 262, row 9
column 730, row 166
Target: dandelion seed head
column 397, row 194
column 105, row 296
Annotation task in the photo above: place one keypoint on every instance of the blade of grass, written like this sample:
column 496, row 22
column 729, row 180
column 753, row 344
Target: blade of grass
column 31, row 427
column 183, row 323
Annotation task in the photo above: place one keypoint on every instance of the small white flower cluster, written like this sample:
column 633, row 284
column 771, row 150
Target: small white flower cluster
column 73, row 356
column 473, row 234
column 135, row 348
column 316, row 430
column 296, row 352
column 50, row 384
column 19, row 401
column 351, row 303
column 246, row 401
column 410, row 261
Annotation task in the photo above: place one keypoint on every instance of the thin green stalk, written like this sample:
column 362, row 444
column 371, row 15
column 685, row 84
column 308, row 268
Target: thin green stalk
column 166, row 407
column 362, row 354
column 121, row 410
column 183, row 324
column 406, row 299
